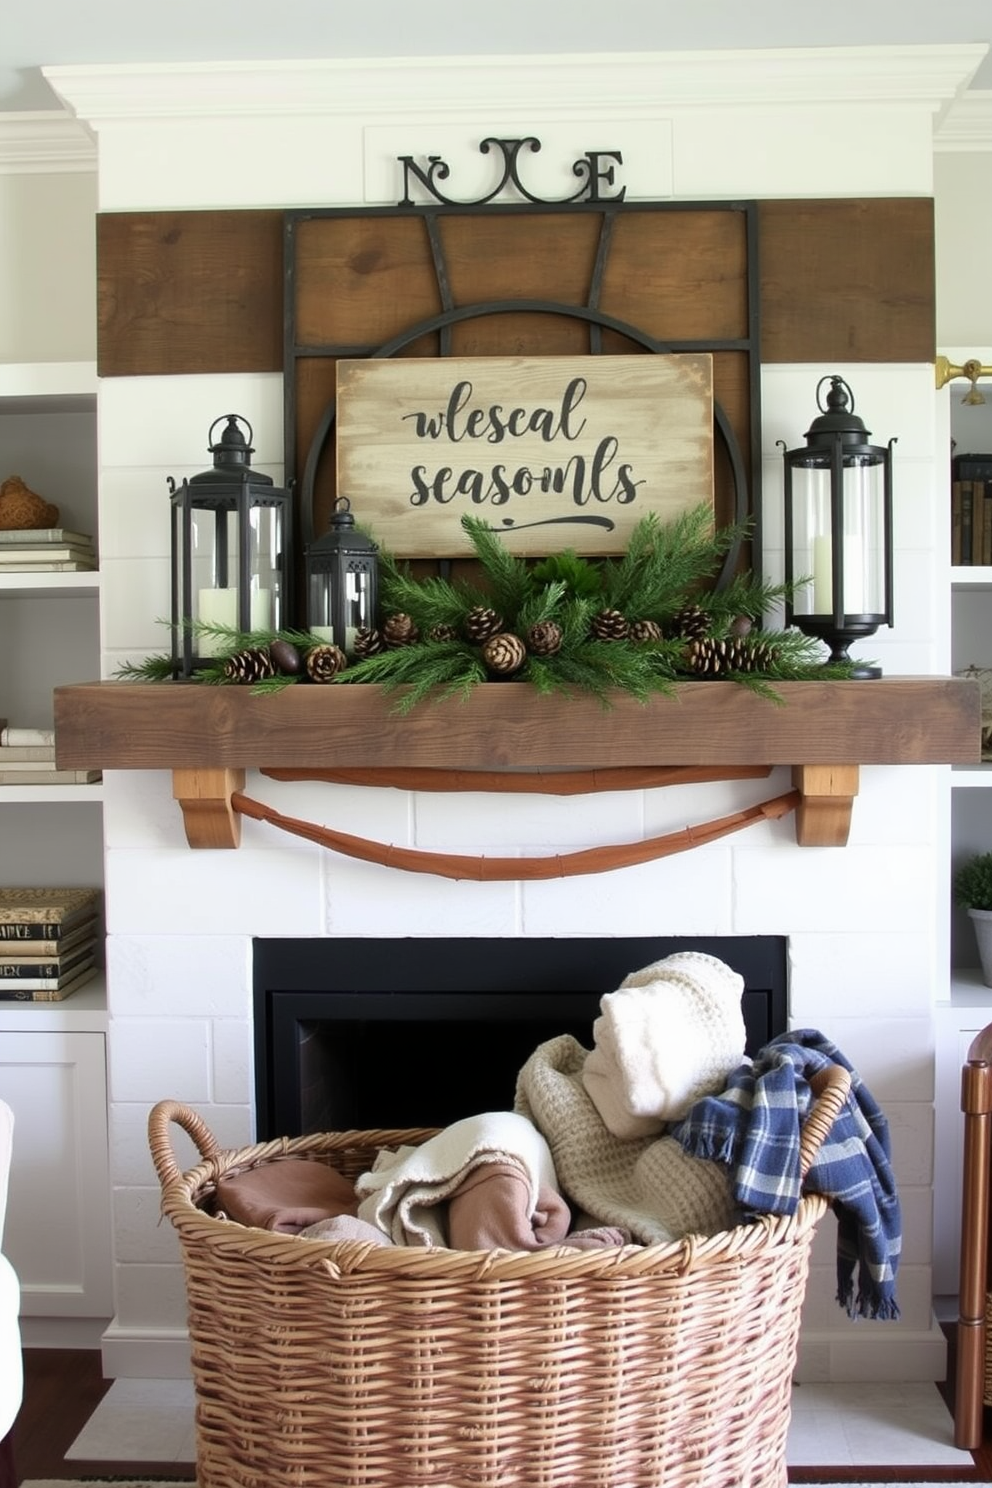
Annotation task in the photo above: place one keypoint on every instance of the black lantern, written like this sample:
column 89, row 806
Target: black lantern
column 342, row 580
column 838, row 528
column 232, row 558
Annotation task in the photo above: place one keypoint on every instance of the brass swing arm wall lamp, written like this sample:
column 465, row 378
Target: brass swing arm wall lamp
column 945, row 371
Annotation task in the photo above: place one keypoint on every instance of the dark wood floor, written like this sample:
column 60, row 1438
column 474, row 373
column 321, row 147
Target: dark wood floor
column 63, row 1387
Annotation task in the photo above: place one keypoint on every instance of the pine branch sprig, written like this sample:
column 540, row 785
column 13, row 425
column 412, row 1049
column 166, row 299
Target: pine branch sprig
column 151, row 669
column 429, row 602
column 545, row 604
column 510, row 581
column 442, row 667
column 745, row 594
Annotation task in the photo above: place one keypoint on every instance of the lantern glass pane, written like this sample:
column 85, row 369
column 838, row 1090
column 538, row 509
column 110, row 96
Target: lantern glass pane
column 214, row 599
column 811, row 537
column 320, row 608
column 341, row 602
column 264, row 564
column 862, row 495
column 864, row 537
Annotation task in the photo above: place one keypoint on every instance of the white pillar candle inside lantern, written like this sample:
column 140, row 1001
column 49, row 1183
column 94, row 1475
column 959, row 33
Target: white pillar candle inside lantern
column 220, row 607
column 231, row 552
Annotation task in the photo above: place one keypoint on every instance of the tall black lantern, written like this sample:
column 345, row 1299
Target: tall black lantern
column 838, row 528
column 342, row 580
column 232, row 558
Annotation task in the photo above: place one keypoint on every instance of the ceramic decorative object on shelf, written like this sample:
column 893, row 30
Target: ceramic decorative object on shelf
column 22, row 508
column 973, row 892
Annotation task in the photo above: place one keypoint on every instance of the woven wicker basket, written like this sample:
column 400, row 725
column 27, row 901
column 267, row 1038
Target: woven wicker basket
column 351, row 1365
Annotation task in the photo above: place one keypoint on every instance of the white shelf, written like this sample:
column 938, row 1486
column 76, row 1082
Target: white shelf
column 50, row 585
column 968, row 990
column 50, row 795
column 976, row 576
column 84, row 1011
column 49, row 387
column 972, row 776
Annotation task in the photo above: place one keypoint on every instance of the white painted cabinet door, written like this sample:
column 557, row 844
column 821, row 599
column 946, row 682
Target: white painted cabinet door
column 58, row 1233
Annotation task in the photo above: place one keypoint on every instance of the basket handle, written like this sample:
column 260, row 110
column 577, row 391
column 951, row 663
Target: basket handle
column 159, row 1137
column 831, row 1087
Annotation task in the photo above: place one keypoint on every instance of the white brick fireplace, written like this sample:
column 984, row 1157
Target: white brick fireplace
column 867, row 924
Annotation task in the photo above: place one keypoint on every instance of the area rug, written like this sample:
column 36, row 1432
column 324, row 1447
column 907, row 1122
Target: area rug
column 180, row 1483
column 117, row 1483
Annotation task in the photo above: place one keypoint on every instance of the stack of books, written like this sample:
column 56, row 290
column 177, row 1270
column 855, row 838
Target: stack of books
column 27, row 757
column 48, row 942
column 46, row 550
column 971, row 510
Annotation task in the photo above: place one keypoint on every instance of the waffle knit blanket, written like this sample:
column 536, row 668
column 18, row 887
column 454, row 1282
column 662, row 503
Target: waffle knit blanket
column 753, row 1128
column 647, row 1185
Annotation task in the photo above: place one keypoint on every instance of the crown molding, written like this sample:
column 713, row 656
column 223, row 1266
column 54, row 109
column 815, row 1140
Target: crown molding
column 37, row 143
column 923, row 76
column 968, row 123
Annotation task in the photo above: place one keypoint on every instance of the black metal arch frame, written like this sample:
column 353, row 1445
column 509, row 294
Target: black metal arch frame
column 596, row 319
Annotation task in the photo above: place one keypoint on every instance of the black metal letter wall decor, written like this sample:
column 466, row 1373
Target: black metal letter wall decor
column 591, row 169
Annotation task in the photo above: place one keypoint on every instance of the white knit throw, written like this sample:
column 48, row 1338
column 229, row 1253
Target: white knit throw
column 671, row 1033
column 649, row 1185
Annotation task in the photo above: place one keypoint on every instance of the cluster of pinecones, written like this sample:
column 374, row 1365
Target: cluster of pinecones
column 318, row 663
column 707, row 655
column 504, row 652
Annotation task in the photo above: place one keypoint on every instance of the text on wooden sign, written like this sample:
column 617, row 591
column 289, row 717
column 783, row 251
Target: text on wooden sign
column 551, row 451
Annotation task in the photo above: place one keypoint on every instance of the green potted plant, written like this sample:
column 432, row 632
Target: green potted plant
column 973, row 892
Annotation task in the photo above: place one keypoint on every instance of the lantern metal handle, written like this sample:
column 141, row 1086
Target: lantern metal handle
column 836, row 381
column 229, row 416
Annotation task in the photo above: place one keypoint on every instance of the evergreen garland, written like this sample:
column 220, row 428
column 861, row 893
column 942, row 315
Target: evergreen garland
column 669, row 569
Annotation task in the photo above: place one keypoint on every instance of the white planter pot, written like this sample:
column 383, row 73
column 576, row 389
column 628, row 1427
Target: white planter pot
column 982, row 921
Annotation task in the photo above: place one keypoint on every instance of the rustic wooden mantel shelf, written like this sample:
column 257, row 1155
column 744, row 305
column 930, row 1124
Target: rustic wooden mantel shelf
column 209, row 736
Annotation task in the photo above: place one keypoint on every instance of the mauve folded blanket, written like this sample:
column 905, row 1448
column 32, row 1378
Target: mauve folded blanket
column 287, row 1195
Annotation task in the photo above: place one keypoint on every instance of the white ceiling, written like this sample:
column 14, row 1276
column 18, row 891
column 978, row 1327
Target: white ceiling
column 38, row 33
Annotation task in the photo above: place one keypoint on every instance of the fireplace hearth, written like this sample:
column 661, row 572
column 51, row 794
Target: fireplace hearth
column 420, row 1032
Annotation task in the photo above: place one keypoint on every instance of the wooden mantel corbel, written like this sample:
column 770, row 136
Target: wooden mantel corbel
column 204, row 797
column 210, row 736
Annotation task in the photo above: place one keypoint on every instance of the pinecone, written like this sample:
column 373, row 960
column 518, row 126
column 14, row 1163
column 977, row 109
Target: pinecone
column 609, row 625
column 324, row 662
column 399, row 630
column 707, row 657
column 481, row 622
column 689, row 623
column 442, row 633
column 253, row 664
column 741, row 625
column 645, row 630
column 368, row 642
column 756, row 655
column 504, row 653
column 544, row 638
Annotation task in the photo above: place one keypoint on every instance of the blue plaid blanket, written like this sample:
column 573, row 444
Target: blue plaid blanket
column 753, row 1126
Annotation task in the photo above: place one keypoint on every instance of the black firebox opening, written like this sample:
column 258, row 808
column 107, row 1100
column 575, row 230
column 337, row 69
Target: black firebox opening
column 420, row 1032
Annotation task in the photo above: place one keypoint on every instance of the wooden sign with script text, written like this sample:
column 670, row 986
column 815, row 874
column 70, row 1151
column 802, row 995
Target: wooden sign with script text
column 552, row 452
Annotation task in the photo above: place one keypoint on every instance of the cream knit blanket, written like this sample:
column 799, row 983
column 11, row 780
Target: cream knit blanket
column 647, row 1185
